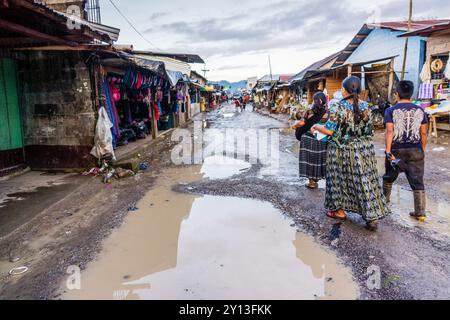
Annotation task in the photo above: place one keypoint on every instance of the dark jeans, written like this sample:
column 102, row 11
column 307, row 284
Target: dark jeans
column 414, row 160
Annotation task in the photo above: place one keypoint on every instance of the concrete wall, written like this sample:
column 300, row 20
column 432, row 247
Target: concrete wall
column 382, row 43
column 57, row 109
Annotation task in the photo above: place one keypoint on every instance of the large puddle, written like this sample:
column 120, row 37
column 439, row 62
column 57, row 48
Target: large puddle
column 179, row 246
column 221, row 167
column 402, row 200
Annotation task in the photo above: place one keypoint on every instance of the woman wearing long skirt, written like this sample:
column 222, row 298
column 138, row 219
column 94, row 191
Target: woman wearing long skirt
column 353, row 184
column 313, row 153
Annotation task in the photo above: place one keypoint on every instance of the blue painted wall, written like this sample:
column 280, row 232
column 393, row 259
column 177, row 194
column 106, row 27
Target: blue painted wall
column 382, row 43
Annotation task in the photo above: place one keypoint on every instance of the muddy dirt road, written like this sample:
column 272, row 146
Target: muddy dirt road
column 229, row 229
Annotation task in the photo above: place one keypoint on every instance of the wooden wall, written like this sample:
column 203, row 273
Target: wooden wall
column 439, row 43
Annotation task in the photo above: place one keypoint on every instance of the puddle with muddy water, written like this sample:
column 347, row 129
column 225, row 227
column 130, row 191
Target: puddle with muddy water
column 221, row 167
column 403, row 203
column 181, row 246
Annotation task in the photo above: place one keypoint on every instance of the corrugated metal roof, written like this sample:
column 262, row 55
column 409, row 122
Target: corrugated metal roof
column 170, row 64
column 105, row 33
column 368, row 28
column 403, row 25
column 314, row 67
column 426, row 32
column 276, row 77
column 189, row 58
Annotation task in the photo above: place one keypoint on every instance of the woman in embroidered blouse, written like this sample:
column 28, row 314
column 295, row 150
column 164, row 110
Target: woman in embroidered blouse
column 352, row 177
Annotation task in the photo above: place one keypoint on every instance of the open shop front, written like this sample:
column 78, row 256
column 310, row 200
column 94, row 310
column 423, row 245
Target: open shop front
column 434, row 92
column 141, row 102
column 133, row 99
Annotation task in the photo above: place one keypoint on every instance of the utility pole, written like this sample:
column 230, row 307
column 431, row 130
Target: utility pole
column 205, row 71
column 405, row 55
column 270, row 68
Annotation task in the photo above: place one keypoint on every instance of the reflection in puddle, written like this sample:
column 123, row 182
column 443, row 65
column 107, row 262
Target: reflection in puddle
column 177, row 246
column 403, row 203
column 221, row 167
column 438, row 217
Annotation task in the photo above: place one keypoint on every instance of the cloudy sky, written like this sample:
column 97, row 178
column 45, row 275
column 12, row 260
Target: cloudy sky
column 235, row 37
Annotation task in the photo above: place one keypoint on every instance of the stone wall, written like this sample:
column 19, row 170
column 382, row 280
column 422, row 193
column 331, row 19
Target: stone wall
column 55, row 93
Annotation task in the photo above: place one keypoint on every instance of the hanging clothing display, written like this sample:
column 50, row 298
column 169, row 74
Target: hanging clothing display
column 112, row 112
column 426, row 91
column 425, row 75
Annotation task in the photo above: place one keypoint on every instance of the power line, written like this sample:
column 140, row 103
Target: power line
column 131, row 24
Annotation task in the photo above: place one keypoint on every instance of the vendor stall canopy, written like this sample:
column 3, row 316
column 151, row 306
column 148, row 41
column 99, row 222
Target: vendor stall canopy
column 174, row 70
column 188, row 58
column 31, row 23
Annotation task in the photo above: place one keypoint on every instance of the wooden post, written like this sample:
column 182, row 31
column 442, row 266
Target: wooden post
column 391, row 79
column 180, row 116
column 363, row 78
column 405, row 52
column 349, row 70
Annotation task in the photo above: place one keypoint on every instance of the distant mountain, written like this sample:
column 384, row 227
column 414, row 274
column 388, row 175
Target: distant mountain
column 234, row 86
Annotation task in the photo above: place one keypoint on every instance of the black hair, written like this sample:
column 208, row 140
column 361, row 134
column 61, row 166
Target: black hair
column 320, row 102
column 405, row 89
column 352, row 85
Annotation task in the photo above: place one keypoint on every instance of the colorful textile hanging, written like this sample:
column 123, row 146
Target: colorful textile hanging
column 112, row 111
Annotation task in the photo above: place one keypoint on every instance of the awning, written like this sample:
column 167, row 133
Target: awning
column 265, row 88
column 156, row 66
column 363, row 63
column 195, row 84
column 171, row 64
column 189, row 58
column 208, row 89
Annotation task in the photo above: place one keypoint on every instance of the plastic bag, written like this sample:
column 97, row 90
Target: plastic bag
column 103, row 147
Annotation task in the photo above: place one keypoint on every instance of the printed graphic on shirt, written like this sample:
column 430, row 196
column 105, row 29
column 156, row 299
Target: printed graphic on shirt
column 407, row 125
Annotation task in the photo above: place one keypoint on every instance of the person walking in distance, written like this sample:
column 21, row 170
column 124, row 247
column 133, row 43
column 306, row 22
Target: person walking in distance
column 406, row 141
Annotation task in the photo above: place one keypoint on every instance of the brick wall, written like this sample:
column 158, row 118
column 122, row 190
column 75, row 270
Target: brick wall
column 57, row 109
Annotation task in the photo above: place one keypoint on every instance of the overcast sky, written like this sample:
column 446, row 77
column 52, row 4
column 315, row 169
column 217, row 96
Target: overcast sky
column 235, row 37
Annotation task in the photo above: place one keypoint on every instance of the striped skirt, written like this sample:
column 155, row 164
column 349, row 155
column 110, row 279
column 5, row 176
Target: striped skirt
column 353, row 183
column 313, row 157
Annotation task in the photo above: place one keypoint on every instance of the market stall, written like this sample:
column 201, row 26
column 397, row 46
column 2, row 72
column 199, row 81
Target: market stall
column 434, row 92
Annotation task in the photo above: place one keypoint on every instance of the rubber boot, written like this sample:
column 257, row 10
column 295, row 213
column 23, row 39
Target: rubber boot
column 387, row 190
column 420, row 203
